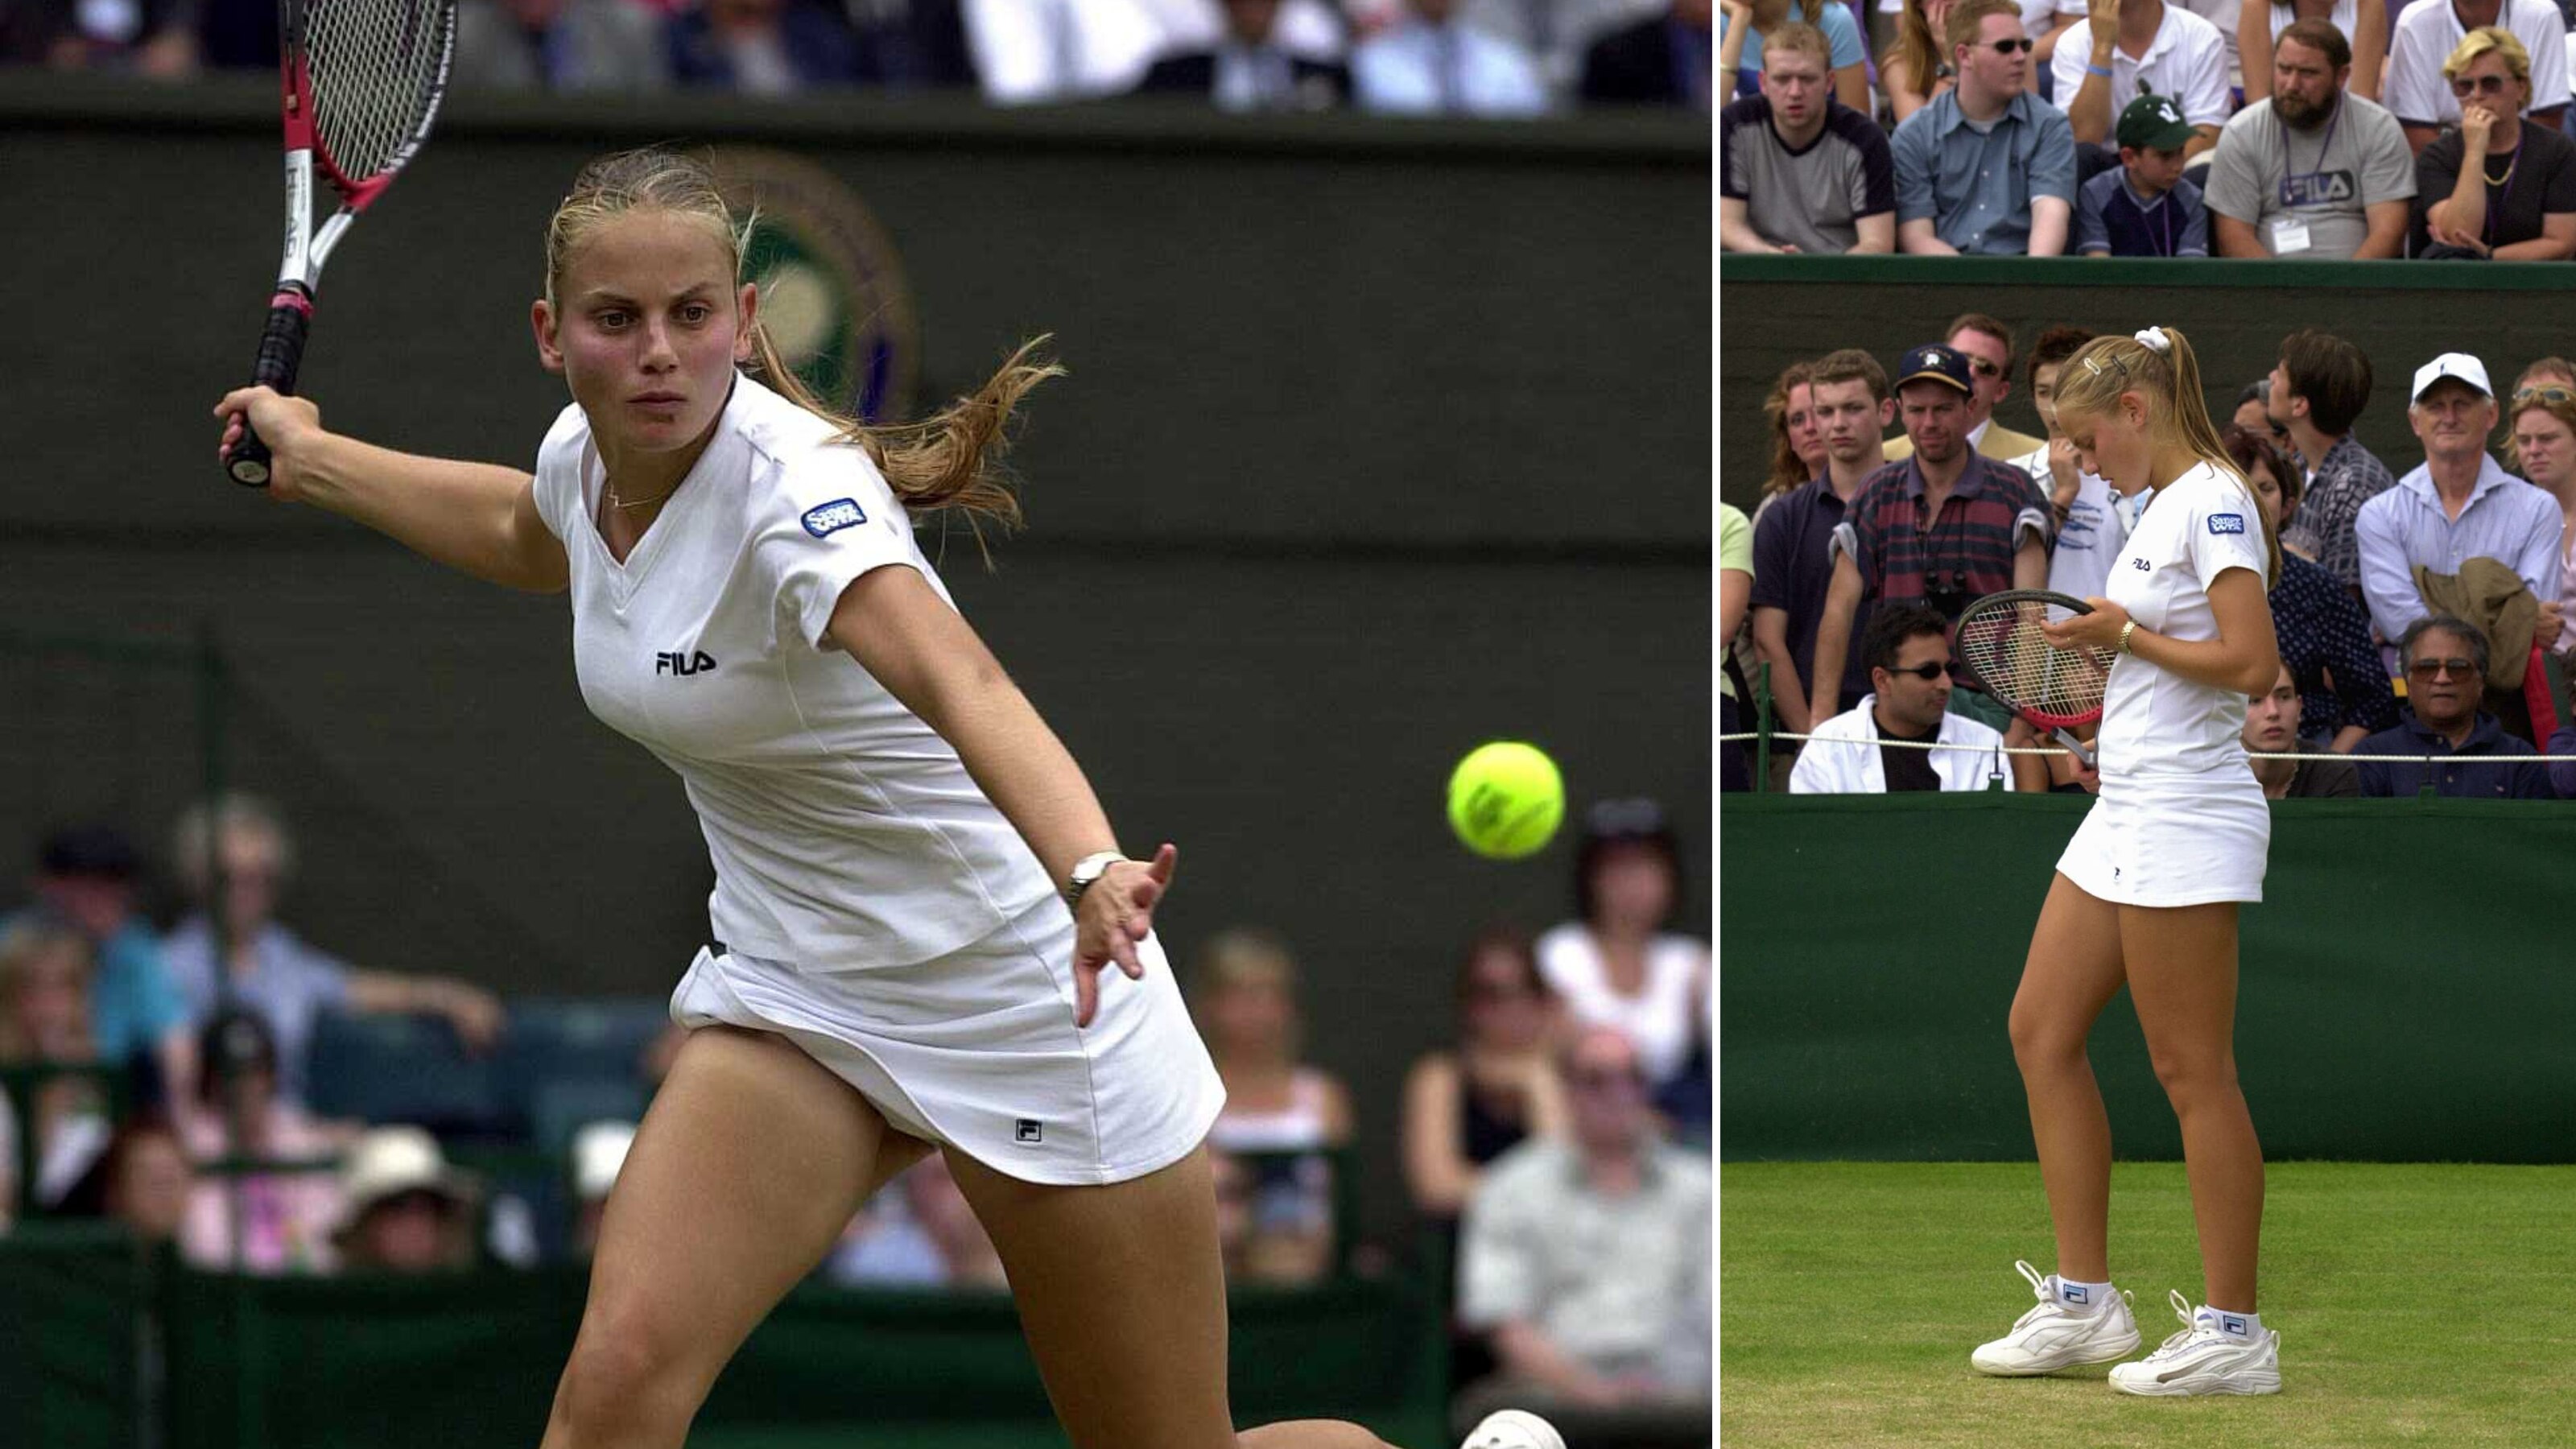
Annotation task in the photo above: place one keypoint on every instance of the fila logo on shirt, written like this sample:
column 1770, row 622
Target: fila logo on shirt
column 1029, row 1129
column 696, row 661
column 2227, row 523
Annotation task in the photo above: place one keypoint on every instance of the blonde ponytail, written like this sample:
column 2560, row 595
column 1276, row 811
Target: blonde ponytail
column 2168, row 377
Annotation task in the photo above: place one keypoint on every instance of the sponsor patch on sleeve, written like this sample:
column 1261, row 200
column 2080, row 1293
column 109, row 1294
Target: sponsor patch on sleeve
column 2218, row 522
column 842, row 513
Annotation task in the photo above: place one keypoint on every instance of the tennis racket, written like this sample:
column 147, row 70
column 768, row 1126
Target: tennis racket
column 2055, row 689
column 362, row 81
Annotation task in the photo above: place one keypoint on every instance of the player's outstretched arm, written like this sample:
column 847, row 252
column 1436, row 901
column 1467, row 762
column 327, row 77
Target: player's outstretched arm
column 480, row 518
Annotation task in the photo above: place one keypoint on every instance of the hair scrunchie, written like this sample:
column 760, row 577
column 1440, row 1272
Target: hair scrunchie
column 2155, row 340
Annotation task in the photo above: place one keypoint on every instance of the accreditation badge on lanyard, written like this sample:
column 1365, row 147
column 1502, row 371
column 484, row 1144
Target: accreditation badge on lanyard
column 2317, row 187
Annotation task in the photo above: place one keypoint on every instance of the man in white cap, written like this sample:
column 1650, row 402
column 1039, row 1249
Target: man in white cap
column 2458, row 505
column 408, row 1210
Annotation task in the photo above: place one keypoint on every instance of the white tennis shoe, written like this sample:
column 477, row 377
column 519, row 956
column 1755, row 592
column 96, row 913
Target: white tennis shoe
column 2062, row 1332
column 2204, row 1359
column 1514, row 1429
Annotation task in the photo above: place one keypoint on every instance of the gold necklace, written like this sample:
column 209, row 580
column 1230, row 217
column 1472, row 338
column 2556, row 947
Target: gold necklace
column 622, row 506
column 2508, row 169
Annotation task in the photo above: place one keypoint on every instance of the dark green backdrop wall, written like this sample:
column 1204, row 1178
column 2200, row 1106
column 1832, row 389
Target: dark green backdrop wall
column 1381, row 440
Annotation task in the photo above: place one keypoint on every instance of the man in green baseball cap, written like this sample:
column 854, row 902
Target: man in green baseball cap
column 2146, row 208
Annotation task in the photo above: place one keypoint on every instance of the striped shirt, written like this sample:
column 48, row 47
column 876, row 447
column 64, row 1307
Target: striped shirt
column 2348, row 476
column 2505, row 519
column 1965, row 553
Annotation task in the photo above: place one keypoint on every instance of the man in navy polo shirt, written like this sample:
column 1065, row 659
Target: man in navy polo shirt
column 2144, row 207
column 1945, row 526
column 1793, row 557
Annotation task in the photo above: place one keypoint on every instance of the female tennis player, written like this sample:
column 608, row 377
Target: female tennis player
column 917, row 894
column 2147, row 891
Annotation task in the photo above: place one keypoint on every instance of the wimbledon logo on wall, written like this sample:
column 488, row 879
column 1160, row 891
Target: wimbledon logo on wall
column 832, row 291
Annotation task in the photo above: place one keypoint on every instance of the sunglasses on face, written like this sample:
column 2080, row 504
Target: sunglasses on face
column 1926, row 672
column 2011, row 47
column 2436, row 668
column 2483, row 85
column 1982, row 368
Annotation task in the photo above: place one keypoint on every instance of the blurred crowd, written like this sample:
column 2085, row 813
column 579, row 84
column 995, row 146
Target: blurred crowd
column 1556, row 1150
column 2420, row 614
column 1503, row 58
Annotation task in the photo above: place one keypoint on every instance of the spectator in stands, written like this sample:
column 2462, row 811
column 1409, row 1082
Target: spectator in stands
column 1988, row 522
column 2254, row 415
column 1557, row 34
column 1666, row 61
column 1434, row 64
column 2124, row 48
column 85, row 878
column 2493, row 187
column 1276, row 1105
column 920, row 1234
column 1466, row 1105
column 1797, row 445
column 1868, row 751
column 2144, row 207
column 2543, row 451
column 1251, row 68
column 268, row 967
column 2319, row 387
column 1793, row 561
column 1799, row 170
column 141, row 1179
column 408, row 1212
column 559, row 45
column 2460, row 504
column 2084, row 513
column 2429, row 34
column 762, row 47
column 2446, row 669
column 1748, row 29
column 598, row 1154
column 1620, row 964
column 1987, row 346
column 2363, row 23
column 1589, row 1263
column 1988, row 168
column 155, row 38
column 2349, row 196
column 2272, row 728
column 2324, row 641
column 1916, row 69
column 45, row 972
column 1734, row 598
column 286, row 1216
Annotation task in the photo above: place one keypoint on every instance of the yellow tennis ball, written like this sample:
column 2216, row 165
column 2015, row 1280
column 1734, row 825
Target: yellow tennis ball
column 1506, row 800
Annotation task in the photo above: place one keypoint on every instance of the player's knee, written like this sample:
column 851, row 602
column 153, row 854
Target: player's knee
column 2193, row 1078
column 625, row 1369
column 2040, row 1044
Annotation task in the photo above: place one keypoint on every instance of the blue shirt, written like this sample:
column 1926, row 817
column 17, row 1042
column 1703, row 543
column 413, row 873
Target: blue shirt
column 2522, row 779
column 1423, row 69
column 2505, row 519
column 132, row 1003
column 2110, row 218
column 289, row 984
column 1842, row 37
column 1977, row 186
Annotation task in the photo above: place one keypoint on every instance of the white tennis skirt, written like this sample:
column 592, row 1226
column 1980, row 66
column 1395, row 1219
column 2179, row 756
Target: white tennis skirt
column 2173, row 840
column 978, row 1049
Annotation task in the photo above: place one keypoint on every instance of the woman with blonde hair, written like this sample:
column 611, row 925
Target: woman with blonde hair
column 2493, row 186
column 2147, row 892
column 2363, row 22
column 1918, row 69
column 919, row 901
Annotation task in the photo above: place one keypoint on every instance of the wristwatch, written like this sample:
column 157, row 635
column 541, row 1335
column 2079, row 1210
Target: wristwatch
column 1087, row 873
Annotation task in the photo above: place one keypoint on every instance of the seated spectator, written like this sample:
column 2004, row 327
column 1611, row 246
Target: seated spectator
column 2319, row 387
column 2460, row 504
column 933, row 1242
column 2272, row 728
column 2254, row 415
column 286, row 1217
column 1276, row 1105
column 45, row 973
column 1749, row 28
column 1797, row 444
column 2125, row 48
column 1251, row 68
column 598, row 1154
column 1986, row 345
column 1466, row 1105
column 1987, row 521
column 2349, row 196
column 1868, row 750
column 559, row 45
column 2543, row 450
column 2362, row 22
column 1588, row 1261
column 2493, row 187
column 85, row 878
column 2429, row 34
column 762, row 47
column 1434, row 64
column 1619, row 963
column 1799, row 170
column 2446, row 676
column 269, row 968
column 2144, row 207
column 1793, row 559
column 408, row 1212
column 2083, row 511
column 1988, row 168
column 2324, row 641
column 141, row 1179
column 1916, row 69
column 1666, row 61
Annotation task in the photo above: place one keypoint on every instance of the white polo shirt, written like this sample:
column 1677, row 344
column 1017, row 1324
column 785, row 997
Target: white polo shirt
column 2155, row 722
column 2429, row 31
column 2080, row 555
column 844, row 832
column 2187, row 61
column 1843, row 756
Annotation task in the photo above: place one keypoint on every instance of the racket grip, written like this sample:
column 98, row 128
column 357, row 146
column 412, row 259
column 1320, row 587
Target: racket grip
column 281, row 352
column 2075, row 747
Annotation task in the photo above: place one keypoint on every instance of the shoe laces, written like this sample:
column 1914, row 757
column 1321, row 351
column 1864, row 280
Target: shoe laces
column 2050, row 1305
column 2195, row 1328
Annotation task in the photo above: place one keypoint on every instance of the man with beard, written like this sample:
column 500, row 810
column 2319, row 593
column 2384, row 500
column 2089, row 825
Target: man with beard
column 1802, row 172
column 2314, row 172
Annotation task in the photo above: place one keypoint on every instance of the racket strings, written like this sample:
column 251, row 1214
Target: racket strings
column 376, row 67
column 2021, row 668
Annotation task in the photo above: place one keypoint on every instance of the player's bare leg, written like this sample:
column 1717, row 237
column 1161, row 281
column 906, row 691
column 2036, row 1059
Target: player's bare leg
column 2073, row 971
column 747, row 1168
column 2182, row 979
column 1122, row 1294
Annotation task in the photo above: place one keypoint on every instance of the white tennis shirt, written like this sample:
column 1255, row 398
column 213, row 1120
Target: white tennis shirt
column 2155, row 722
column 844, row 832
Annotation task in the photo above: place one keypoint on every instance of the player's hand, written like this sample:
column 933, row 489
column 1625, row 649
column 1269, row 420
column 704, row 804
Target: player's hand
column 287, row 424
column 2097, row 630
column 2085, row 775
column 1116, row 913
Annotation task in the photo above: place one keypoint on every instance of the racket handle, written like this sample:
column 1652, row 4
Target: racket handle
column 281, row 352
column 2075, row 747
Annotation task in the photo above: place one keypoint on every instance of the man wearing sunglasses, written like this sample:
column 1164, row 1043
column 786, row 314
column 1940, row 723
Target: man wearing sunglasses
column 2427, row 34
column 1871, row 750
column 2125, row 48
column 1986, row 168
column 2446, row 679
